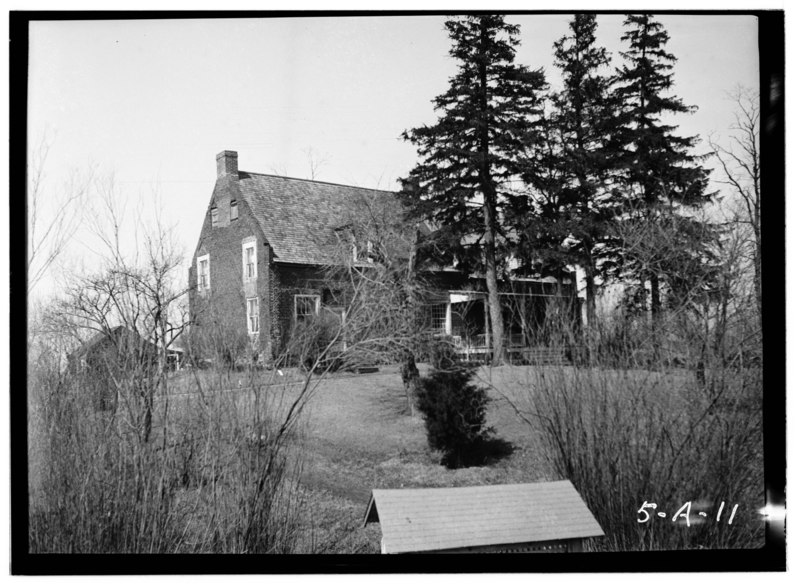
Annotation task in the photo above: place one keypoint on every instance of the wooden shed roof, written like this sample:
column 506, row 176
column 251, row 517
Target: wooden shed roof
column 415, row 520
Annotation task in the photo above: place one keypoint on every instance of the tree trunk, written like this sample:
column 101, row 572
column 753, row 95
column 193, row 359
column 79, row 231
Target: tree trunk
column 757, row 272
column 591, row 311
column 148, row 415
column 410, row 375
column 495, row 310
column 489, row 203
column 590, row 333
column 655, row 297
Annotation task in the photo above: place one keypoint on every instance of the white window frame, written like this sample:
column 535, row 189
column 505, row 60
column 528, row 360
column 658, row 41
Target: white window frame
column 207, row 259
column 367, row 253
column 234, row 210
column 316, row 305
column 441, row 315
column 251, row 305
column 249, row 246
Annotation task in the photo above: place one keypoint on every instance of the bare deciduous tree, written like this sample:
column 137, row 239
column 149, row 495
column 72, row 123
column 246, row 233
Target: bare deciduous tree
column 383, row 295
column 740, row 162
column 195, row 461
column 315, row 161
column 53, row 215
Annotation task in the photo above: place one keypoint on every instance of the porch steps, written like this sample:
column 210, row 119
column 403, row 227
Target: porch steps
column 541, row 356
column 544, row 356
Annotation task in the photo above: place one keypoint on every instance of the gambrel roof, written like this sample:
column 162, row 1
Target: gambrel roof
column 300, row 218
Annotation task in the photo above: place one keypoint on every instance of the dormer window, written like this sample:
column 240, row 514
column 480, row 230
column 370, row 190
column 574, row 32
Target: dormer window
column 234, row 210
column 214, row 217
column 363, row 253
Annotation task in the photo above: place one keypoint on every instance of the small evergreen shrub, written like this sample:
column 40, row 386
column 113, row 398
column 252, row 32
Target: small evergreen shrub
column 453, row 408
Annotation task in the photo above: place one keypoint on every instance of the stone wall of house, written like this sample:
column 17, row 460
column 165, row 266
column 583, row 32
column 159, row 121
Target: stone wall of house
column 222, row 309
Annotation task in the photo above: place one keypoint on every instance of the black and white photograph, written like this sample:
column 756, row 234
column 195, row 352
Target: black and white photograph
column 359, row 285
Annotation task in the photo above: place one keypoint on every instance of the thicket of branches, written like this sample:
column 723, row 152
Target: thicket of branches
column 192, row 461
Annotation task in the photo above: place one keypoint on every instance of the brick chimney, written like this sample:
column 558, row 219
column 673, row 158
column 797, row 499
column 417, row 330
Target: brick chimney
column 228, row 164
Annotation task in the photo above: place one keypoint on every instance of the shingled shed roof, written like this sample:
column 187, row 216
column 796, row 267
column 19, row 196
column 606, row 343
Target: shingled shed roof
column 416, row 520
column 299, row 217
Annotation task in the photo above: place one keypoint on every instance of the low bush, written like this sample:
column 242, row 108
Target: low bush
column 454, row 409
column 219, row 472
column 315, row 344
column 648, row 432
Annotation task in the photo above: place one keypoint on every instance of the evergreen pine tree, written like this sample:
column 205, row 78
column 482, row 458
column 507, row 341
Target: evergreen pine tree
column 472, row 152
column 453, row 407
column 660, row 175
column 570, row 170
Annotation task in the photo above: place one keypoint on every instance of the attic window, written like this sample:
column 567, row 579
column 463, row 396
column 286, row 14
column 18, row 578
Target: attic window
column 234, row 210
column 249, row 263
column 214, row 217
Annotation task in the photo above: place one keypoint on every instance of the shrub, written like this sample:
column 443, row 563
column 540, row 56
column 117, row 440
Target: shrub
column 454, row 409
column 219, row 473
column 628, row 435
column 314, row 344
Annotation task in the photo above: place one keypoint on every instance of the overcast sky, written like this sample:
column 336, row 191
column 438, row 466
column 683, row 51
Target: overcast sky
column 153, row 102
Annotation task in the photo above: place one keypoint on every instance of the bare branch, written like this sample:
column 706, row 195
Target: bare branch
column 50, row 231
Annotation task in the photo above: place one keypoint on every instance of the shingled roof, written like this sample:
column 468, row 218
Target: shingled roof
column 300, row 217
column 416, row 520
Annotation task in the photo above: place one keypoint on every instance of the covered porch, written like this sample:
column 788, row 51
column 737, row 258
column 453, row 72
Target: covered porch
column 533, row 324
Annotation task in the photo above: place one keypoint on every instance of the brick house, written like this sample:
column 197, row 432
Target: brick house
column 259, row 266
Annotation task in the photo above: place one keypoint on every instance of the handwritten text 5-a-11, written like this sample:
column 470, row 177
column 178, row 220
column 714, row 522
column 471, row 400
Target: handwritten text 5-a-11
column 644, row 513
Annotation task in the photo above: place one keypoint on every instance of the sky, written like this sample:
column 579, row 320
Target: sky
column 151, row 102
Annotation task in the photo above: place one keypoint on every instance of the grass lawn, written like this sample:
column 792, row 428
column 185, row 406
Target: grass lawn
column 357, row 437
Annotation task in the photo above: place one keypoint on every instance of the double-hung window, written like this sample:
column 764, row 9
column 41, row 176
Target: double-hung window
column 252, row 316
column 203, row 273
column 214, row 217
column 249, row 263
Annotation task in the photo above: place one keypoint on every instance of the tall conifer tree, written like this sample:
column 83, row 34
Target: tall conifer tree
column 660, row 174
column 574, row 206
column 469, row 156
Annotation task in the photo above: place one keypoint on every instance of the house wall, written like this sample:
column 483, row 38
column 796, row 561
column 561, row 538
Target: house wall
column 290, row 280
column 224, row 305
column 608, row 296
